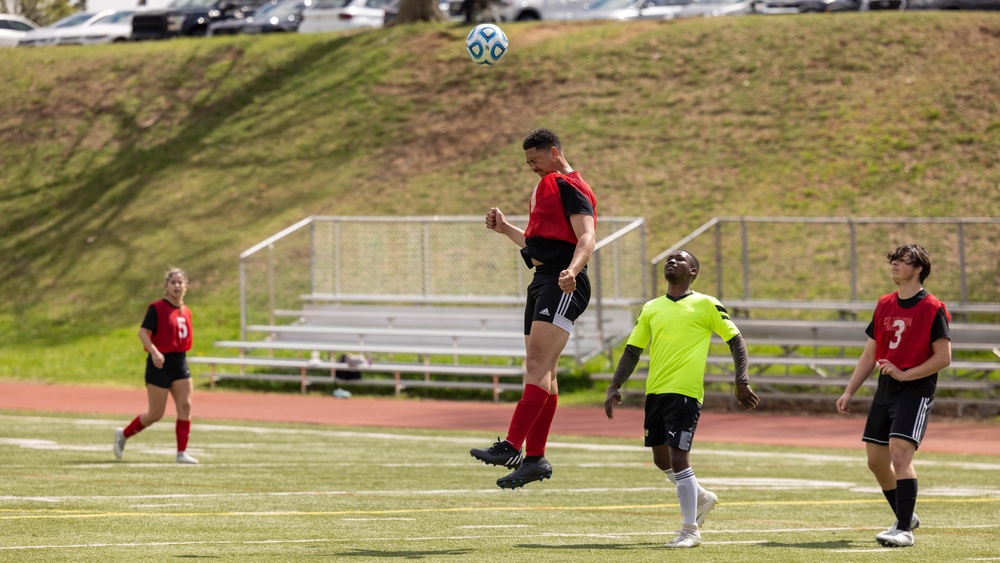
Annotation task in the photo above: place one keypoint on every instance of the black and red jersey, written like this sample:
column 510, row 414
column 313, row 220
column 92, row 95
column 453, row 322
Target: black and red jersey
column 170, row 326
column 549, row 237
column 903, row 331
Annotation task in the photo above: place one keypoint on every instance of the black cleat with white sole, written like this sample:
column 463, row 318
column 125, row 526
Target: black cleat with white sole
column 527, row 473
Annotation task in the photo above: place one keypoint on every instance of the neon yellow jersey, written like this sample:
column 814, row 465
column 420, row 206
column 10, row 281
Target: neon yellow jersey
column 676, row 335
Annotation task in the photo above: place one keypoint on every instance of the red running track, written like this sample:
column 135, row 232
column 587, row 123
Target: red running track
column 833, row 431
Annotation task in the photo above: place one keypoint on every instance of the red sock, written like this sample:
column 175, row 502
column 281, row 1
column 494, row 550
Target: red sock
column 133, row 427
column 525, row 414
column 539, row 433
column 183, row 430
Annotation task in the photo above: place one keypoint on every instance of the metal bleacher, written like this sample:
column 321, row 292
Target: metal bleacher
column 466, row 336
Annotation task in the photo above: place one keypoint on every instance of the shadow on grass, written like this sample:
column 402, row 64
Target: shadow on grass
column 365, row 554
column 595, row 546
column 833, row 544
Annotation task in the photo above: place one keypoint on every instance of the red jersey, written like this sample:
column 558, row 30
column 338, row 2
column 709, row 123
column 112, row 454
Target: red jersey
column 173, row 331
column 903, row 334
column 549, row 209
column 549, row 236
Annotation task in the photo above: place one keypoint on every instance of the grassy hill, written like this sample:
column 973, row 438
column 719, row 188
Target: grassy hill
column 120, row 161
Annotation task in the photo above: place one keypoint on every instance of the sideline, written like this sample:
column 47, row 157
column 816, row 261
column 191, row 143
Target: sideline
column 733, row 428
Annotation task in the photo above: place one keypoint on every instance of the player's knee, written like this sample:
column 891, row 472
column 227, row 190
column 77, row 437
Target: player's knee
column 154, row 416
column 184, row 410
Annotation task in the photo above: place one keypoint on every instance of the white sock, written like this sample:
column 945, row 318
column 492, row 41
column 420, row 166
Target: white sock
column 687, row 494
column 670, row 475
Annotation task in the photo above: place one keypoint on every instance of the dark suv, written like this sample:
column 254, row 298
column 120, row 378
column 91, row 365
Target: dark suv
column 188, row 17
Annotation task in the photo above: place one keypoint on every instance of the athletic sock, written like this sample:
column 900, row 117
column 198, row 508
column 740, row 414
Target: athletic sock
column 183, row 431
column 538, row 435
column 906, row 501
column 670, row 475
column 525, row 414
column 891, row 497
column 687, row 494
column 133, row 427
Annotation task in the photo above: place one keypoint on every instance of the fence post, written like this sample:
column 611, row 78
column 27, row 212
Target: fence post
column 718, row 259
column 243, row 298
column 746, row 259
column 854, row 261
column 963, row 291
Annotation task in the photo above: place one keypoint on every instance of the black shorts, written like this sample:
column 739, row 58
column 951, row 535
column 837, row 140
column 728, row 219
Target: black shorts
column 546, row 302
column 174, row 368
column 897, row 417
column 671, row 420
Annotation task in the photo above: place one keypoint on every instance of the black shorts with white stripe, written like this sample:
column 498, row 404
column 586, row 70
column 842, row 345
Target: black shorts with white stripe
column 897, row 417
column 547, row 303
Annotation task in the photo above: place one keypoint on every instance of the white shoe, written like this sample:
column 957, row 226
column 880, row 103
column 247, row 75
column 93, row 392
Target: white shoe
column 711, row 499
column 914, row 524
column 686, row 537
column 895, row 538
column 119, row 442
column 183, row 457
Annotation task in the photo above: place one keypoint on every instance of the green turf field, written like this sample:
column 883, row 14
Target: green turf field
column 269, row 492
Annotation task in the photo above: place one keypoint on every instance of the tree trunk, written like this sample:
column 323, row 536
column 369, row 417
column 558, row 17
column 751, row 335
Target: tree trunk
column 418, row 11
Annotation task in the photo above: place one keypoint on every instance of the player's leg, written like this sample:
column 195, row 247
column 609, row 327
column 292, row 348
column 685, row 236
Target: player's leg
column 680, row 420
column 876, row 439
column 181, row 390
column 156, row 399
column 909, row 424
column 535, row 410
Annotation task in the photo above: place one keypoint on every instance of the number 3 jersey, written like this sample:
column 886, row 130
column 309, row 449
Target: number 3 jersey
column 903, row 331
column 170, row 326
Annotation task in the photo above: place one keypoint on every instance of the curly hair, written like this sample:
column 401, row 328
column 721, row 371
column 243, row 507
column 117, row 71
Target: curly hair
column 541, row 139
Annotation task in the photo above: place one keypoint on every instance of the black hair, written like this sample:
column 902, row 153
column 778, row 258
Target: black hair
column 915, row 255
column 541, row 139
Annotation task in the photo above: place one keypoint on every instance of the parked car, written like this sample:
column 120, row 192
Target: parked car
column 83, row 28
column 276, row 16
column 633, row 9
column 450, row 9
column 527, row 10
column 189, row 17
column 712, row 8
column 953, row 5
column 340, row 15
column 13, row 28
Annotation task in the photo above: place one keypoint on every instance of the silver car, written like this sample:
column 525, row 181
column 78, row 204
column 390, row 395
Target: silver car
column 634, row 9
column 83, row 28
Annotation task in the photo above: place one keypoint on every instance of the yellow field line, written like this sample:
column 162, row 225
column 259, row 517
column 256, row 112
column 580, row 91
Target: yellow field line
column 48, row 514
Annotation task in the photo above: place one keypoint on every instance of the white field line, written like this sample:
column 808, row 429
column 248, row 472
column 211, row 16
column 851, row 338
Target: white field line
column 472, row 537
column 858, row 459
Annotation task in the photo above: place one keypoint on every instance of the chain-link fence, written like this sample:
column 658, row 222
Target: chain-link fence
column 839, row 259
column 449, row 260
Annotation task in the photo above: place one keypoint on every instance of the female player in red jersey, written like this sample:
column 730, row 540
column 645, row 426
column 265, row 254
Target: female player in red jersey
column 166, row 334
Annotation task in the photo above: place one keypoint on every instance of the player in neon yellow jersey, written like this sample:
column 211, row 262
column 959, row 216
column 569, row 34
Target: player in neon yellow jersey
column 677, row 328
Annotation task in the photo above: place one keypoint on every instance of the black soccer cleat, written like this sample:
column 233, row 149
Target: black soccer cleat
column 527, row 473
column 500, row 453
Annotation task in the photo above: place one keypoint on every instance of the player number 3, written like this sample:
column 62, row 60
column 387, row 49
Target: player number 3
column 900, row 326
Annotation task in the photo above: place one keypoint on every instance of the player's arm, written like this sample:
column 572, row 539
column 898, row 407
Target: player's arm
column 864, row 367
column 496, row 221
column 586, row 235
column 149, row 324
column 741, row 361
column 940, row 359
column 626, row 366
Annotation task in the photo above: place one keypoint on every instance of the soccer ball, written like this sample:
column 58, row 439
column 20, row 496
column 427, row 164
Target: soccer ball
column 486, row 44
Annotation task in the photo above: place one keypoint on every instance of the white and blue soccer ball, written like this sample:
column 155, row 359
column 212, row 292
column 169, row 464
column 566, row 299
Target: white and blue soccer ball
column 486, row 44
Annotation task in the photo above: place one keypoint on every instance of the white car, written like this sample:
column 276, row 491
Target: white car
column 527, row 10
column 13, row 28
column 340, row 15
column 634, row 9
column 83, row 28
